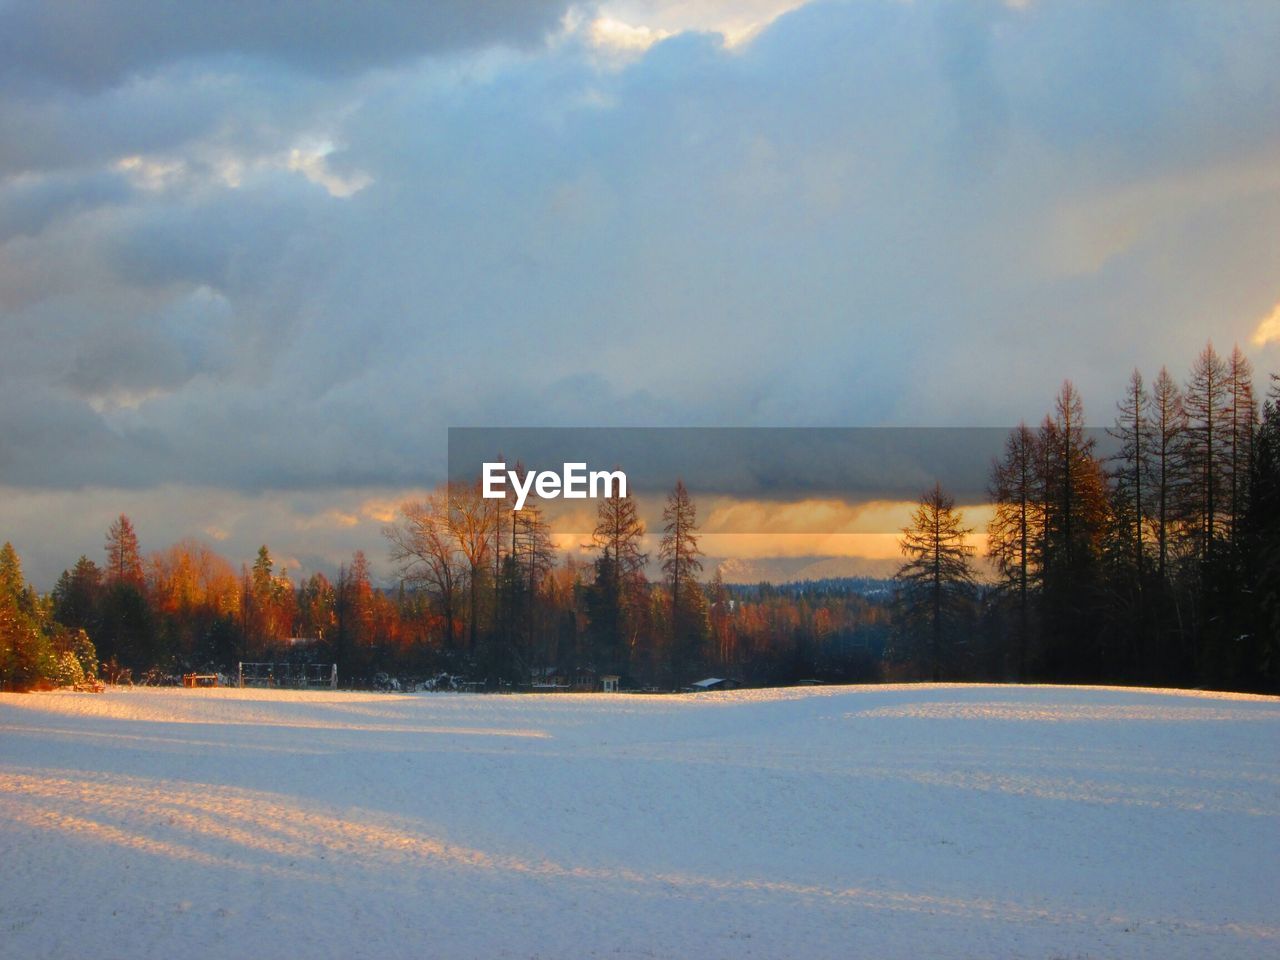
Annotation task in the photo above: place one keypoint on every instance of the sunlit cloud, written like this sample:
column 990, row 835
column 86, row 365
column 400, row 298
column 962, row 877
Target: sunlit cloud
column 621, row 31
column 329, row 518
column 737, row 21
column 824, row 517
column 751, row 540
column 1268, row 330
column 622, row 39
column 387, row 509
column 312, row 162
column 727, row 515
column 151, row 174
column 214, row 167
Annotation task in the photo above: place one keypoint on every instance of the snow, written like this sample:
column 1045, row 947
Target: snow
column 892, row 822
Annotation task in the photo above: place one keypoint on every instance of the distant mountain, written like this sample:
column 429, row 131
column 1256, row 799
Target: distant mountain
column 794, row 569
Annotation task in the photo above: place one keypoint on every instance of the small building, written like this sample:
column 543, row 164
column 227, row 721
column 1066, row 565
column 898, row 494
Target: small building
column 609, row 683
column 547, row 680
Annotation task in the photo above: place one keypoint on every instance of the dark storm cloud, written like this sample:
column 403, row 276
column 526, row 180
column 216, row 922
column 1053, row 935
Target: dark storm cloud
column 90, row 44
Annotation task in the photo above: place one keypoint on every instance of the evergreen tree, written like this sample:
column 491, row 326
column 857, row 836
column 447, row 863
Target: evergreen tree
column 12, row 583
column 935, row 582
column 26, row 655
column 1168, row 425
column 1206, row 451
column 604, row 617
column 315, row 606
column 1075, row 504
column 618, row 534
column 271, row 604
column 124, row 561
column 1125, row 557
column 1243, row 420
column 127, row 629
column 1211, row 447
column 1131, row 470
column 77, row 596
column 619, row 580
column 1015, row 532
column 533, row 558
column 681, row 563
column 263, row 568
column 1262, row 547
column 127, row 634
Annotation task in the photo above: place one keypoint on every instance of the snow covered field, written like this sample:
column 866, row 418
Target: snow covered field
column 916, row 821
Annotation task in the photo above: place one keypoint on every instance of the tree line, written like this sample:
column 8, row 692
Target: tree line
column 1159, row 564
column 482, row 595
column 1156, row 565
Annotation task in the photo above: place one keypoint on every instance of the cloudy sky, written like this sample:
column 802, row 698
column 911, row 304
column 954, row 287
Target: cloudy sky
column 255, row 258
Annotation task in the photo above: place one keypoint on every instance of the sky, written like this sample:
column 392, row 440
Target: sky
column 256, row 258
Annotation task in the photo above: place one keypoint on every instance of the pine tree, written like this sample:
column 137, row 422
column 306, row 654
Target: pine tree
column 1014, row 532
column 12, row 583
column 533, row 558
column 1124, row 554
column 1073, row 489
column 1168, row 425
column 1213, row 578
column 680, row 563
column 618, row 535
column 262, row 578
column 271, row 601
column 1206, row 450
column 1243, row 423
column 26, row 655
column 619, row 578
column 352, row 603
column 1262, row 545
column 77, row 594
column 127, row 632
column 936, row 581
column 1131, row 470
column 124, row 561
column 1075, row 504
